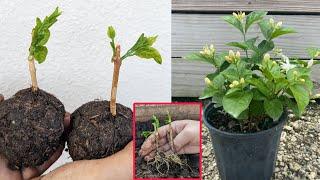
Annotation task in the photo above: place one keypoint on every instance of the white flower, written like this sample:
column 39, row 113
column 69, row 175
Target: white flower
column 285, row 65
column 208, row 50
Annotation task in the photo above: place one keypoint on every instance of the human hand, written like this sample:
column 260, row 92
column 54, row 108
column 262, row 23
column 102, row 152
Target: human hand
column 31, row 172
column 118, row 166
column 186, row 138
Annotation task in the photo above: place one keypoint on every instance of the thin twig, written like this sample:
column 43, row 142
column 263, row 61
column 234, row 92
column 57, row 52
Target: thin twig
column 116, row 70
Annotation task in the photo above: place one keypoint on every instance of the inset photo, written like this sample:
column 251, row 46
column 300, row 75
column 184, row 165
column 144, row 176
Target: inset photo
column 167, row 140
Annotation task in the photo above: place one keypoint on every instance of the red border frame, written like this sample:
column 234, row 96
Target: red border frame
column 134, row 140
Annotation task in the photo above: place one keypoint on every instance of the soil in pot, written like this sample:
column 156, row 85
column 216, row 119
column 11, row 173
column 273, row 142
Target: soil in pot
column 190, row 167
column 96, row 133
column 31, row 128
column 223, row 121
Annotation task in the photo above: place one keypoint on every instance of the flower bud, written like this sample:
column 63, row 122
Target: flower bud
column 316, row 96
column 271, row 21
column 266, row 57
column 242, row 81
column 295, row 73
column 231, row 85
column 279, row 24
column 235, row 15
column 202, row 52
column 238, row 56
column 235, row 83
column 274, row 62
column 228, row 59
column 231, row 54
column 302, row 80
column 208, row 81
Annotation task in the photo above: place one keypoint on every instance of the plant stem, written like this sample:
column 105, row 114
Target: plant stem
column 116, row 70
column 245, row 39
column 33, row 74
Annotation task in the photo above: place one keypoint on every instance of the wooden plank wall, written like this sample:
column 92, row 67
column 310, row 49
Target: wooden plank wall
column 198, row 22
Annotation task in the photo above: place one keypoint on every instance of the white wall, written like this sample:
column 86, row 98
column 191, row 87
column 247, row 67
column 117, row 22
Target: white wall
column 78, row 67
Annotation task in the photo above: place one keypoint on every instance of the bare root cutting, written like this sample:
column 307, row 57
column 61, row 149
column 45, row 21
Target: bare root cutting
column 163, row 161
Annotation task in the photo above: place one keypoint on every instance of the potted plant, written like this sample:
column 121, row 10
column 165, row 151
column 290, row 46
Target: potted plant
column 102, row 128
column 31, row 122
column 251, row 95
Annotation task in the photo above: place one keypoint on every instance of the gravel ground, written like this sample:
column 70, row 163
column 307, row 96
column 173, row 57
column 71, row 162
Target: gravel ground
column 299, row 151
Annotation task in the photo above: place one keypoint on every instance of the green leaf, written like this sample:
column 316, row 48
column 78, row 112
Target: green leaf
column 219, row 60
column 237, row 102
column 266, row 29
column 44, row 38
column 313, row 52
column 291, row 104
column 257, row 95
column 255, row 108
column 260, row 85
column 199, row 57
column 301, row 95
column 282, row 31
column 40, row 54
column 149, row 53
column 254, row 17
column 41, row 35
column 208, row 92
column 111, row 32
column 234, row 22
column 151, row 40
column 142, row 48
column 231, row 73
column 250, row 43
column 273, row 108
column 240, row 45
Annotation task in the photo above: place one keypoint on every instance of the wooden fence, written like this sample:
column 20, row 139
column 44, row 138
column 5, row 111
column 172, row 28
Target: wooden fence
column 198, row 22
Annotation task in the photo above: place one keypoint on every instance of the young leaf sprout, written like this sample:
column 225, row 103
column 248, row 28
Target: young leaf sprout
column 38, row 51
column 142, row 48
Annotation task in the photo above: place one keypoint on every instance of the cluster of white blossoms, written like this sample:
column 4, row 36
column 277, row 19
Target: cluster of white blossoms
column 208, row 50
column 237, row 83
column 233, row 57
column 240, row 15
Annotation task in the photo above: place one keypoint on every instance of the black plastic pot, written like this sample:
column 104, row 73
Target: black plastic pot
column 245, row 156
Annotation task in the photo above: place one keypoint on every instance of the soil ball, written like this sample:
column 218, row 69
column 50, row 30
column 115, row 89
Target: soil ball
column 31, row 128
column 95, row 133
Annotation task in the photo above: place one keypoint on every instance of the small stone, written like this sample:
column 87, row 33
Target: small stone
column 288, row 128
column 312, row 175
column 296, row 126
column 294, row 166
column 293, row 139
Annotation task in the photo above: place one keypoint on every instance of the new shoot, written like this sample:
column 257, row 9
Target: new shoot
column 38, row 51
column 142, row 48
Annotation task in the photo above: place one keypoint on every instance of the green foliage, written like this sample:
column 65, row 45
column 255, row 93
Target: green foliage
column 41, row 35
column 155, row 123
column 146, row 134
column 142, row 48
column 256, row 87
column 168, row 120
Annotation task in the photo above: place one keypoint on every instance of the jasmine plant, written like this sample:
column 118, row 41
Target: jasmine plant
column 257, row 85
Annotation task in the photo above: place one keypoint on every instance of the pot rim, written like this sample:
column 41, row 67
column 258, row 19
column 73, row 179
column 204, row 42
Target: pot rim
column 282, row 120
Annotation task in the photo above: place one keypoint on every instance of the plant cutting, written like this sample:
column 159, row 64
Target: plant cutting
column 251, row 94
column 166, row 162
column 102, row 128
column 31, row 122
